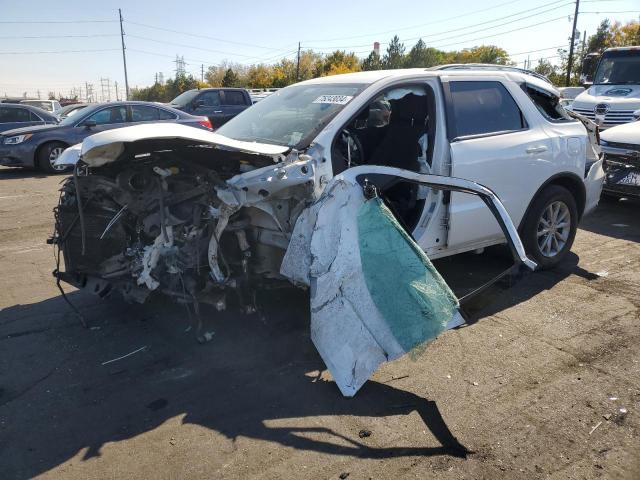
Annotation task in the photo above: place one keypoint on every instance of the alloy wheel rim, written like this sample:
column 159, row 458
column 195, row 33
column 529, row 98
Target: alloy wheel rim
column 53, row 156
column 553, row 229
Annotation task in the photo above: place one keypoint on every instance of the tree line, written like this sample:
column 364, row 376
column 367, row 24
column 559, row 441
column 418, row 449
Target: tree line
column 314, row 64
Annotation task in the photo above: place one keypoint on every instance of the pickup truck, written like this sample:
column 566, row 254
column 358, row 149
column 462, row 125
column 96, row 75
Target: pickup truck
column 218, row 104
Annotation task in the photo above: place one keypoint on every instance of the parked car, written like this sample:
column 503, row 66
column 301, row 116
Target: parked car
column 51, row 106
column 16, row 116
column 218, row 104
column 69, row 110
column 40, row 146
column 621, row 147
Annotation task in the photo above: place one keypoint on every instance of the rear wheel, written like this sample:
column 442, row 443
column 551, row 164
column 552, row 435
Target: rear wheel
column 550, row 226
column 48, row 154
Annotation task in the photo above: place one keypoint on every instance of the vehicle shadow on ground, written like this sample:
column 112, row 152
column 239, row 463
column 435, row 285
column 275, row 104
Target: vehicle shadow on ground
column 615, row 218
column 260, row 377
column 13, row 173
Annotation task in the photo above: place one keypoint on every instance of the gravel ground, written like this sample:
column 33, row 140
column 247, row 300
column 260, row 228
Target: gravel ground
column 545, row 384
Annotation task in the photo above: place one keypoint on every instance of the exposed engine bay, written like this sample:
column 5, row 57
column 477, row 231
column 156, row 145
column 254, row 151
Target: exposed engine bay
column 166, row 221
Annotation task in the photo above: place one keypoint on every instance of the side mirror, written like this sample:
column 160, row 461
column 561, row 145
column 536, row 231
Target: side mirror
column 89, row 124
column 198, row 104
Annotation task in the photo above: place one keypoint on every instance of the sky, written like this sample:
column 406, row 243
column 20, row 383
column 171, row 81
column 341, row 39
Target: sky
column 60, row 45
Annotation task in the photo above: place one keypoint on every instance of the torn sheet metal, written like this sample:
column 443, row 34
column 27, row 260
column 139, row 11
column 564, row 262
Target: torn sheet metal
column 353, row 324
column 374, row 293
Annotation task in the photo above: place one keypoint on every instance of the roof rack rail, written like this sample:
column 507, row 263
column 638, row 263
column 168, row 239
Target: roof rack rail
column 489, row 66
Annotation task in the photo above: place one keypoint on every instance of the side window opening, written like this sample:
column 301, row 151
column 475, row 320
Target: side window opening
column 166, row 115
column 396, row 129
column 210, row 98
column 143, row 113
column 547, row 104
column 483, row 108
column 232, row 97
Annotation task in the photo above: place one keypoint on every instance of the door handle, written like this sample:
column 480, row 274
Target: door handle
column 217, row 111
column 538, row 149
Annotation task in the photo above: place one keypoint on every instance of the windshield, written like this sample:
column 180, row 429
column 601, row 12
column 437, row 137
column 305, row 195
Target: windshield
column 619, row 68
column 291, row 116
column 71, row 119
column 184, row 98
column 72, row 111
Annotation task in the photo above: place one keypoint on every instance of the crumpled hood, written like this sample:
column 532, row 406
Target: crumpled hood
column 627, row 133
column 106, row 147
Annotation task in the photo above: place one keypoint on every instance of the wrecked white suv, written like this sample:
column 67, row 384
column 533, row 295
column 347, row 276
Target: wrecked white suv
column 347, row 185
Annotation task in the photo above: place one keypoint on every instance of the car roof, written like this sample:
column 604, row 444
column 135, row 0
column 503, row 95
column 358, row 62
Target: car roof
column 373, row 76
column 37, row 110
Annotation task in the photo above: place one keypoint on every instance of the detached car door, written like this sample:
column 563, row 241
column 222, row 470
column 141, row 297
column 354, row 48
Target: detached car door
column 375, row 295
column 495, row 145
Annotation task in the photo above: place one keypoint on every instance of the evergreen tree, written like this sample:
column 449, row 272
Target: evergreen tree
column 394, row 58
column 372, row 62
column 230, row 79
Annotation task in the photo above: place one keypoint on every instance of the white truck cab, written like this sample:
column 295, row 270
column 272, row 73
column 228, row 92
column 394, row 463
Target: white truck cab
column 614, row 96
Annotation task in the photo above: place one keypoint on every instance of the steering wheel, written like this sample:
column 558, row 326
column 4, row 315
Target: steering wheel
column 350, row 148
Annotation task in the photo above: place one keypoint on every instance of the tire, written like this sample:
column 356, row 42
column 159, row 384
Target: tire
column 550, row 226
column 47, row 154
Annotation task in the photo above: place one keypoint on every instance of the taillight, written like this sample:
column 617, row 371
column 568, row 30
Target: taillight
column 206, row 123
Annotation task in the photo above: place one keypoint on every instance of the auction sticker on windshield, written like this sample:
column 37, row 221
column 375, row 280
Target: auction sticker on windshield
column 334, row 99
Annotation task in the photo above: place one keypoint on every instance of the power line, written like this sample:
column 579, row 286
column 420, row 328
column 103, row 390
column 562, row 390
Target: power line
column 58, row 36
column 61, row 51
column 535, row 51
column 618, row 11
column 196, row 35
column 503, row 33
column 195, row 47
column 31, row 22
column 420, row 25
column 446, row 32
column 471, row 26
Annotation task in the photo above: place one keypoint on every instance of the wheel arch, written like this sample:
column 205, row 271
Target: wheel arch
column 42, row 144
column 568, row 180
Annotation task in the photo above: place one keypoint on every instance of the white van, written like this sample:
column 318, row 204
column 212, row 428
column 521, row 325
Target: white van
column 614, row 96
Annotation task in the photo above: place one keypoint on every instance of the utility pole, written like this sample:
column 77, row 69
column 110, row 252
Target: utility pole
column 124, row 58
column 105, row 87
column 573, row 39
column 117, row 98
column 298, row 65
column 202, row 73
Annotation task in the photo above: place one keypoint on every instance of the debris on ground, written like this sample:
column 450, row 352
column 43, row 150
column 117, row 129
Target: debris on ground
column 364, row 433
column 344, row 475
column 125, row 356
